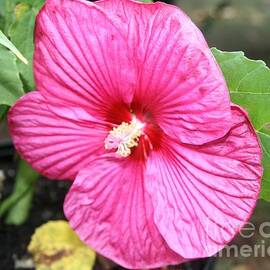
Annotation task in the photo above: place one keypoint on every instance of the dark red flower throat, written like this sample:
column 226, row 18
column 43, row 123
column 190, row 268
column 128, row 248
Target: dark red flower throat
column 135, row 132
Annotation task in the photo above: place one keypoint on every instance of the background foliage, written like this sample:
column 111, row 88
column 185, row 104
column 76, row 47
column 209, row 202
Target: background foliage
column 17, row 20
column 249, row 85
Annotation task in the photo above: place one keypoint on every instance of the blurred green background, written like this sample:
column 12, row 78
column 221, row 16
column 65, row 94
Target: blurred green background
column 233, row 25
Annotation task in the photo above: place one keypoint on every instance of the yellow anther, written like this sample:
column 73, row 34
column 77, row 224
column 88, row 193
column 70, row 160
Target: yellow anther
column 124, row 137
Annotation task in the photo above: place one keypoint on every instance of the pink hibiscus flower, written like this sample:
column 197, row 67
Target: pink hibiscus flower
column 132, row 104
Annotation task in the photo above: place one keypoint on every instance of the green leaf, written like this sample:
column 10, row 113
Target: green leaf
column 265, row 140
column 21, row 34
column 8, row 44
column 10, row 84
column 2, row 14
column 249, row 85
column 3, row 111
column 18, row 204
column 7, row 14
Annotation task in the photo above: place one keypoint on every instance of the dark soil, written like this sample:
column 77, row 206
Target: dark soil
column 47, row 205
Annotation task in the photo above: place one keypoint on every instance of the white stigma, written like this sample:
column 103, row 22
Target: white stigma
column 124, row 137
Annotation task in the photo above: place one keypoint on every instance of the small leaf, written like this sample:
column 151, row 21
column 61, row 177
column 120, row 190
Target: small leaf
column 10, row 84
column 249, row 85
column 4, row 41
column 55, row 246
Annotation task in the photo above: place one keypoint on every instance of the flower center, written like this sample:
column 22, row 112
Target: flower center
column 124, row 137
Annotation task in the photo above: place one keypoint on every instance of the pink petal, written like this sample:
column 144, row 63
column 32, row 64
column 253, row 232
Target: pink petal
column 120, row 51
column 110, row 210
column 56, row 140
column 204, row 195
column 81, row 56
column 178, row 79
